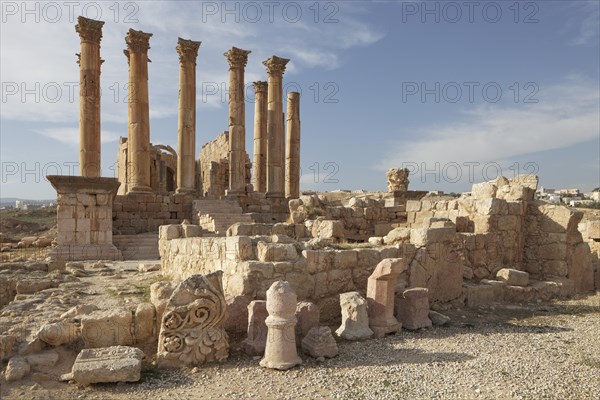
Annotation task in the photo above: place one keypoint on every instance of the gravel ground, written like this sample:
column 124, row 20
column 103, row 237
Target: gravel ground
column 539, row 351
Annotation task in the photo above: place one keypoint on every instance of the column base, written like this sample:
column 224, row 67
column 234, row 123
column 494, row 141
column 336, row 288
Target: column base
column 382, row 330
column 185, row 191
column 140, row 189
column 81, row 252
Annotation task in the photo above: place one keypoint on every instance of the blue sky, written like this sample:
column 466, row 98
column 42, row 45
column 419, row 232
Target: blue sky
column 455, row 91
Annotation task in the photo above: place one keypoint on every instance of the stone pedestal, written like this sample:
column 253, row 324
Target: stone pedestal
column 355, row 319
column 275, row 127
column 292, row 146
column 254, row 344
column 84, row 218
column 138, row 138
column 280, row 352
column 237, row 59
column 412, row 308
column 260, row 137
column 380, row 296
column 186, row 126
column 90, row 32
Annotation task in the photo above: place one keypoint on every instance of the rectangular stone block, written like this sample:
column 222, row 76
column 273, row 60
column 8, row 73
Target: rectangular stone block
column 107, row 328
column 109, row 364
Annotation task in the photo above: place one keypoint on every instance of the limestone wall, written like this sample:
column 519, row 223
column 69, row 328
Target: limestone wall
column 145, row 212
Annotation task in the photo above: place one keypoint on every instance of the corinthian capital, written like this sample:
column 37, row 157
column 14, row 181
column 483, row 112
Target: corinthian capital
column 260, row 86
column 187, row 50
column 137, row 41
column 89, row 30
column 275, row 65
column 237, row 58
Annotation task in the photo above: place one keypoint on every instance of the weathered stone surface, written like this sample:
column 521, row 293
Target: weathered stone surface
column 439, row 269
column 319, row 342
column 42, row 360
column 17, row 369
column 280, row 351
column 397, row 235
column 149, row 266
column 276, row 251
column 255, row 342
column 59, row 333
column 438, row 319
column 308, row 316
column 328, row 229
column 412, row 308
column 29, row 286
column 7, row 346
column 397, row 179
column 108, row 364
column 355, row 319
column 105, row 328
column 191, row 330
column 513, row 277
column 237, row 313
column 380, row 295
column 144, row 323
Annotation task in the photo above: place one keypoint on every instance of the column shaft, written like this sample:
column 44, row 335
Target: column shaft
column 260, row 137
column 275, row 129
column 292, row 146
column 138, row 168
column 186, row 126
column 237, row 59
column 90, row 32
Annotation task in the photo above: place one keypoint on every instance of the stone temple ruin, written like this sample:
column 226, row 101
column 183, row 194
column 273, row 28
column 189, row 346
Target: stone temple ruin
column 250, row 254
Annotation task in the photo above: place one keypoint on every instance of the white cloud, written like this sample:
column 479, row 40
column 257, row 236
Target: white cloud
column 567, row 114
column 589, row 30
column 70, row 135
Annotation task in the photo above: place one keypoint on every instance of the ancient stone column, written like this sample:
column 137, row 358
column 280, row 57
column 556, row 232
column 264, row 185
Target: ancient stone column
column 237, row 59
column 138, row 148
column 186, row 126
column 292, row 146
column 90, row 33
column 381, row 296
column 355, row 319
column 260, row 137
column 275, row 130
column 280, row 352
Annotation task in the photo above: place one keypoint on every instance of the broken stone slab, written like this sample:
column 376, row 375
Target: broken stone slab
column 308, row 316
column 82, row 309
column 149, row 266
column 108, row 364
column 104, row 328
column 191, row 331
column 355, row 319
column 255, row 342
column 513, row 277
column 412, row 308
column 380, row 296
column 43, row 360
column 438, row 319
column 319, row 342
column 17, row 369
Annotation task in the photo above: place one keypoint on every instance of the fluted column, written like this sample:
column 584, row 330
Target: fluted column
column 186, row 126
column 237, row 59
column 90, row 33
column 275, row 129
column 292, row 146
column 138, row 148
column 260, row 136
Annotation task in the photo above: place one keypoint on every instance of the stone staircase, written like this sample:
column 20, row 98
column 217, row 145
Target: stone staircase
column 143, row 246
column 216, row 215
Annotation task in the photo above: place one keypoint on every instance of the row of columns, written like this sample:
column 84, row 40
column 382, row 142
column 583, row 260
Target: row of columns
column 276, row 166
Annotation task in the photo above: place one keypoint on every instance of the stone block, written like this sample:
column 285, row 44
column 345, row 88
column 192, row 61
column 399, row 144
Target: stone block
column 59, row 333
column 307, row 315
column 276, row 251
column 355, row 319
column 481, row 295
column 189, row 231
column 412, row 308
column 107, row 328
column 328, row 229
column 17, row 369
column 144, row 323
column 255, row 342
column 108, row 364
column 169, row 232
column 513, row 277
column 319, row 342
column 239, row 248
column 397, row 235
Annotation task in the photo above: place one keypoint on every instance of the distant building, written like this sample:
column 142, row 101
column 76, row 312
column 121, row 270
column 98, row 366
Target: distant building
column 553, row 198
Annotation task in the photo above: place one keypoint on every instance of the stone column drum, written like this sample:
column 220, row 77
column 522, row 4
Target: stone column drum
column 186, row 126
column 275, row 129
column 260, row 136
column 381, row 296
column 237, row 59
column 138, row 148
column 90, row 33
column 280, row 352
column 292, row 146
